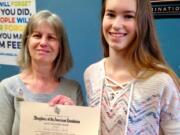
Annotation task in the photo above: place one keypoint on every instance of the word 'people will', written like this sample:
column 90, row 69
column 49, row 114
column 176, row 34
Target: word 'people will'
column 14, row 20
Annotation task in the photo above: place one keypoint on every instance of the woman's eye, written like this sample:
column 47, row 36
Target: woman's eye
column 129, row 16
column 109, row 14
column 52, row 38
column 36, row 35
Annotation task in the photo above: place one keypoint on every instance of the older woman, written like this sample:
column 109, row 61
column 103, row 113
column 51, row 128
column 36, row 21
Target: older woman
column 44, row 59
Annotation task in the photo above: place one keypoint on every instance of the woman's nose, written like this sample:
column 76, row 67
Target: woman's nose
column 44, row 41
column 118, row 23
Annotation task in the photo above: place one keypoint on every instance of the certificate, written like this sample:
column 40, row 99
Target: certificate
column 42, row 119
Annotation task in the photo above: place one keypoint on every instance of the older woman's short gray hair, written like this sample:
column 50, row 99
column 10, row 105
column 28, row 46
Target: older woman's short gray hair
column 63, row 63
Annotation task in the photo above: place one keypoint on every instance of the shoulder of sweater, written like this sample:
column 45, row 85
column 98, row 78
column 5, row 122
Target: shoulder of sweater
column 11, row 84
column 67, row 82
column 159, row 79
column 93, row 68
column 158, row 84
column 162, row 77
column 10, row 81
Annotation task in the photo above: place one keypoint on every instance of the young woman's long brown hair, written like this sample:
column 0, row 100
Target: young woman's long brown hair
column 145, row 54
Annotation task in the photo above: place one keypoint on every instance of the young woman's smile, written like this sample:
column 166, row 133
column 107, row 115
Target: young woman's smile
column 119, row 23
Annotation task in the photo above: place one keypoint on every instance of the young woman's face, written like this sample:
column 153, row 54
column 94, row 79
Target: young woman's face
column 119, row 23
column 43, row 44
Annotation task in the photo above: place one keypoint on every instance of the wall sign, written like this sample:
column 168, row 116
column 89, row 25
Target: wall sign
column 166, row 8
column 14, row 14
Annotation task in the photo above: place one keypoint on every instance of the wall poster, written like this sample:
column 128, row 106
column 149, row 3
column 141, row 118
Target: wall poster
column 14, row 14
column 166, row 8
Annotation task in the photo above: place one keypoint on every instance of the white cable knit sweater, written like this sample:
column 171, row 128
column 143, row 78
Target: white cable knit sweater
column 154, row 106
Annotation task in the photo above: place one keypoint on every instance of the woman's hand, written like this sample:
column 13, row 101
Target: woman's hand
column 62, row 100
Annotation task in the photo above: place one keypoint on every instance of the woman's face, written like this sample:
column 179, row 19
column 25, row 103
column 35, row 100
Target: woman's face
column 43, row 44
column 119, row 23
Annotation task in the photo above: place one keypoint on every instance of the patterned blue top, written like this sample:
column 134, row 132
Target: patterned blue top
column 152, row 106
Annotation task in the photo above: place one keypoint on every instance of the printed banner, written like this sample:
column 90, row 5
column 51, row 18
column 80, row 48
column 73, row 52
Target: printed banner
column 14, row 14
column 166, row 8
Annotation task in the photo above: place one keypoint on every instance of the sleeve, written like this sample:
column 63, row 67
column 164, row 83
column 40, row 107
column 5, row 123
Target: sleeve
column 6, row 111
column 93, row 83
column 79, row 100
column 87, row 84
column 170, row 109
